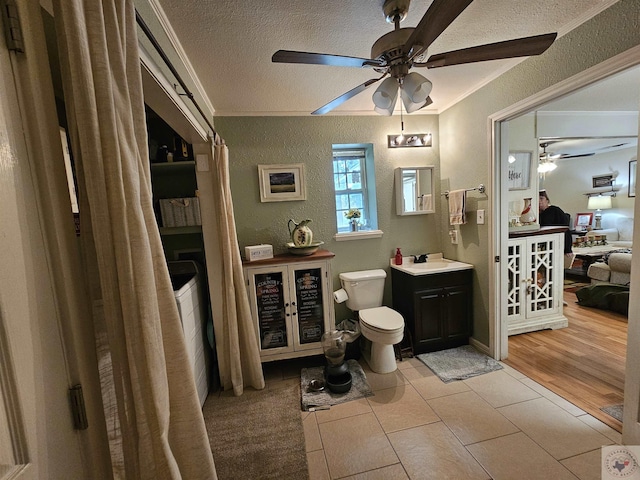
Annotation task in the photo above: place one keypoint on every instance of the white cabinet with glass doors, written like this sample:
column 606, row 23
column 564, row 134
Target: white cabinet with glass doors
column 291, row 303
column 535, row 273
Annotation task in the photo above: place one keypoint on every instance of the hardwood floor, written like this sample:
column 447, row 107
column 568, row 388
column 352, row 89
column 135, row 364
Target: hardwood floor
column 583, row 363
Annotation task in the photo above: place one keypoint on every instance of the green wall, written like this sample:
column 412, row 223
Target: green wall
column 464, row 130
column 254, row 141
column 460, row 154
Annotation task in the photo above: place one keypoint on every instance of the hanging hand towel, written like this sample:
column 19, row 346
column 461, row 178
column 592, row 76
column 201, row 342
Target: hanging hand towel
column 425, row 202
column 457, row 200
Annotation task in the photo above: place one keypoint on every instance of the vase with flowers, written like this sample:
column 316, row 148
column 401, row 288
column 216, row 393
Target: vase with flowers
column 353, row 214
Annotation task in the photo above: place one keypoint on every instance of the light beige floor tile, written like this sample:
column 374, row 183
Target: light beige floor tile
column 318, row 469
column 413, row 373
column 433, row 452
column 555, row 398
column 380, row 381
column 433, row 387
column 512, row 371
column 500, row 389
column 603, row 428
column 343, row 410
column 393, row 472
column 355, row 445
column 471, row 418
column 517, row 457
column 554, row 429
column 587, row 466
column 311, row 433
column 409, row 362
column 401, row 407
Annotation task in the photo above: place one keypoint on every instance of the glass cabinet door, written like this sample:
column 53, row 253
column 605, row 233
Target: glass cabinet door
column 269, row 293
column 309, row 294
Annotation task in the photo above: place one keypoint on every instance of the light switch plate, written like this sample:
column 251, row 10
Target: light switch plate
column 454, row 236
column 480, row 217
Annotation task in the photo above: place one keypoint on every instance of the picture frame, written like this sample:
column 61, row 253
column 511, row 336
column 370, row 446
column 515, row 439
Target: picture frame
column 632, row 177
column 519, row 174
column 282, row 182
column 583, row 220
column 599, row 181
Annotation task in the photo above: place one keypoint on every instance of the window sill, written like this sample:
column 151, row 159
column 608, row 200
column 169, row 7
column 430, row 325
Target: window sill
column 361, row 235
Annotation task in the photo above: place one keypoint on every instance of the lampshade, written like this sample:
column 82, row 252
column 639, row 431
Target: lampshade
column 385, row 96
column 416, row 87
column 599, row 202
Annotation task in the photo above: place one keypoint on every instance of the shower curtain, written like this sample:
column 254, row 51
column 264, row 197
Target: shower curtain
column 236, row 339
column 156, row 429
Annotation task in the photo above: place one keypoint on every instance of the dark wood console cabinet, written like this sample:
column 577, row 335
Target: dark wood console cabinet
column 437, row 308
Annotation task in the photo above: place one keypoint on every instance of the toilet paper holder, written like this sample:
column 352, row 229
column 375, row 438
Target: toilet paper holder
column 340, row 296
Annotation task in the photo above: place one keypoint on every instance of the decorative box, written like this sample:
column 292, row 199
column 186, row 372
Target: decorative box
column 180, row 212
column 258, row 252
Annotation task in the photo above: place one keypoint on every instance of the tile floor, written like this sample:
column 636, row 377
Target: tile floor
column 500, row 425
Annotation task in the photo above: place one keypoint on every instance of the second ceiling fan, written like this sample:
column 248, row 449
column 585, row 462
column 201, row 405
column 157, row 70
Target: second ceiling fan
column 395, row 53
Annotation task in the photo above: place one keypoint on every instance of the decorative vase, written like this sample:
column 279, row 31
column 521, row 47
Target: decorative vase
column 354, row 225
column 527, row 216
column 301, row 234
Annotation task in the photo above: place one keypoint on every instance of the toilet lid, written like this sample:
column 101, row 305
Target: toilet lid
column 383, row 318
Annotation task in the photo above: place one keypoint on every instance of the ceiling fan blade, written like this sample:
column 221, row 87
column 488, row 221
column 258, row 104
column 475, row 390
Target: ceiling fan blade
column 577, row 155
column 336, row 102
column 519, row 47
column 290, row 56
column 437, row 18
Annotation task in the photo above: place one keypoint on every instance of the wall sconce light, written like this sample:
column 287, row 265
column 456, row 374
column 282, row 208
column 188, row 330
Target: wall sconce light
column 409, row 140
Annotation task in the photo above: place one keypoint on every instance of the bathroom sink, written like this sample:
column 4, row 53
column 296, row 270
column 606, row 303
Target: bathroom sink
column 435, row 264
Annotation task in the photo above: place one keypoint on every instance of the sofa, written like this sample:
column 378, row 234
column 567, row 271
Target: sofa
column 615, row 267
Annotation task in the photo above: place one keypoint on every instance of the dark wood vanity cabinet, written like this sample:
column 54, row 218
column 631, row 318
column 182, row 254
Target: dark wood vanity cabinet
column 437, row 308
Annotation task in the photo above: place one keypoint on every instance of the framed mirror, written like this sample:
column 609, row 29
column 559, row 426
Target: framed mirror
column 414, row 190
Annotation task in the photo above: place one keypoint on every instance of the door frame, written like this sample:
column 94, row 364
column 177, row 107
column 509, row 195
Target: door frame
column 498, row 130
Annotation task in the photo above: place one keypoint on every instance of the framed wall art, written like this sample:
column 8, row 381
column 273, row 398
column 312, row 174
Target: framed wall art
column 519, row 170
column 583, row 220
column 632, row 177
column 281, row 183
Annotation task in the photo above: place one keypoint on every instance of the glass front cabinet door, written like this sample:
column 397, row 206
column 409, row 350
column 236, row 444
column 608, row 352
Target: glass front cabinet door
column 291, row 307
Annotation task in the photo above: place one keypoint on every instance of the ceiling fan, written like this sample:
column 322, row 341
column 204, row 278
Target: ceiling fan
column 395, row 53
column 547, row 159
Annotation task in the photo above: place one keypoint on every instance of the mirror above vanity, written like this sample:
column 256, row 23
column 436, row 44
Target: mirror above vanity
column 414, row 190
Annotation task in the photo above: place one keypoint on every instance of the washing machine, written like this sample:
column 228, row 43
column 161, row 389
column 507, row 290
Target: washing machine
column 187, row 288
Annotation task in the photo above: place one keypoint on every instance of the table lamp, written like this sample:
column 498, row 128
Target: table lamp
column 598, row 203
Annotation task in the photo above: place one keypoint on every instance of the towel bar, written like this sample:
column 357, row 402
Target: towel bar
column 480, row 188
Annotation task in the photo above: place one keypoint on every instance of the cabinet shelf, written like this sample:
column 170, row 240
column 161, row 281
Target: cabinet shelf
column 167, row 166
column 180, row 230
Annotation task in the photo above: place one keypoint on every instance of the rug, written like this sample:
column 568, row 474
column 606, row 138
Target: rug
column 258, row 434
column 359, row 388
column 459, row 363
column 614, row 411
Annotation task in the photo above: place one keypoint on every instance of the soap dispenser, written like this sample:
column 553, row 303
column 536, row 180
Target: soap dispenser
column 398, row 257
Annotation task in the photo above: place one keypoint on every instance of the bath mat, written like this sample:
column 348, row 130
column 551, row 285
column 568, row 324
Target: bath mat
column 459, row 363
column 614, row 411
column 359, row 387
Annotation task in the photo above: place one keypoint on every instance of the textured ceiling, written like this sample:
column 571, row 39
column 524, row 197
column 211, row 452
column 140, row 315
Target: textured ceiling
column 230, row 44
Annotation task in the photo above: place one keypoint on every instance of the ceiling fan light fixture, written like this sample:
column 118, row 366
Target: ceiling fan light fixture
column 386, row 95
column 416, row 87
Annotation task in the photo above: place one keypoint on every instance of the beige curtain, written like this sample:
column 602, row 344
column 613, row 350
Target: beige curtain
column 151, row 407
column 236, row 339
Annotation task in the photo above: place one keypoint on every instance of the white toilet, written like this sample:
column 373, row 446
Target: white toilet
column 382, row 326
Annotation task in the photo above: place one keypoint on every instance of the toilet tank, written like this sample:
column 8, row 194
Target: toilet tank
column 364, row 288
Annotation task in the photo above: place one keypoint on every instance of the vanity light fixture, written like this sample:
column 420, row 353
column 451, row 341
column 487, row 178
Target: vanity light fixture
column 408, row 139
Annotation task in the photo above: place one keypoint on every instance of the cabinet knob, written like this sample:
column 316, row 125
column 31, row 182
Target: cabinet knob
column 293, row 304
column 294, row 313
column 286, row 304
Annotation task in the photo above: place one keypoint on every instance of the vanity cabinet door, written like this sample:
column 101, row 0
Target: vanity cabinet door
column 309, row 299
column 437, row 308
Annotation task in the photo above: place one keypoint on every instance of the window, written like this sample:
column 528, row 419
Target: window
column 355, row 185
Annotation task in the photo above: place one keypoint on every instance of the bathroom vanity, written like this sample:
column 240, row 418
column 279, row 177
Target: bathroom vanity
column 291, row 303
column 436, row 300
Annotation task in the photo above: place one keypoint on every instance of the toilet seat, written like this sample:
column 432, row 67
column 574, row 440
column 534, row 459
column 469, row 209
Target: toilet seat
column 382, row 319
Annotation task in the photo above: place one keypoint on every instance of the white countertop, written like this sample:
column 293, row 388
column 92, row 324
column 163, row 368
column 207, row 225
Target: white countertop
column 435, row 263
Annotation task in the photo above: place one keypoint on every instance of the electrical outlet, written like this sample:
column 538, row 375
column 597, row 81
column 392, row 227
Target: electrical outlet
column 480, row 217
column 454, row 236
